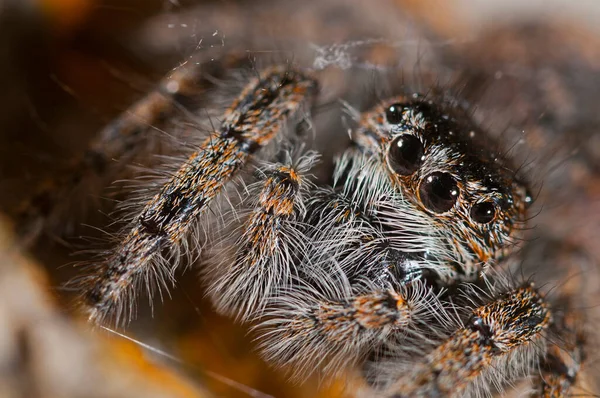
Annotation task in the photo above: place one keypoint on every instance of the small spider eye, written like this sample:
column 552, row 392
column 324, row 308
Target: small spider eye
column 393, row 114
column 483, row 212
column 405, row 154
column 438, row 192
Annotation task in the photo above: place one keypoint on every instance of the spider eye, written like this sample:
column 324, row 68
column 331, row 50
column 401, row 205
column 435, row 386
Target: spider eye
column 393, row 113
column 405, row 154
column 438, row 192
column 483, row 212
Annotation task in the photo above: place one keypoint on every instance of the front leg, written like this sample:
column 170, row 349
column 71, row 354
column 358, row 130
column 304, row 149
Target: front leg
column 148, row 252
column 307, row 329
column 483, row 349
column 55, row 206
column 250, row 264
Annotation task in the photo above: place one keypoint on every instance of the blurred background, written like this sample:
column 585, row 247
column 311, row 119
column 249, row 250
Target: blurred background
column 70, row 67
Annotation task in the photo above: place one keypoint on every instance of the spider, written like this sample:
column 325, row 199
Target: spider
column 399, row 265
column 394, row 268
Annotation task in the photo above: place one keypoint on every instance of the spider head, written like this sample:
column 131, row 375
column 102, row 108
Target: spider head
column 447, row 170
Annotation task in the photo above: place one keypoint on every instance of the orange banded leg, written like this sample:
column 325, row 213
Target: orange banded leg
column 334, row 335
column 260, row 259
column 164, row 224
column 51, row 206
column 493, row 332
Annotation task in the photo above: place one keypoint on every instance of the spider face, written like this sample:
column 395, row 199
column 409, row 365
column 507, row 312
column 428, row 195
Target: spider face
column 451, row 174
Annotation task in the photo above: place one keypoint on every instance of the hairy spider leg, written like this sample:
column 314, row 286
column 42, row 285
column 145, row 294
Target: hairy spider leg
column 252, row 121
column 563, row 360
column 305, row 329
column 494, row 331
column 123, row 139
column 258, row 259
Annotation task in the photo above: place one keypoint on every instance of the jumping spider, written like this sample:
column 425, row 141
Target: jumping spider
column 398, row 267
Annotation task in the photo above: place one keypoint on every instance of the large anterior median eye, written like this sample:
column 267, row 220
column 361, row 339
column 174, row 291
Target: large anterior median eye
column 438, row 192
column 405, row 154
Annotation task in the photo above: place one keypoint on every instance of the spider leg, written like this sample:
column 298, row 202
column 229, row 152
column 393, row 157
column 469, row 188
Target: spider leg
column 507, row 326
column 124, row 139
column 258, row 258
column 571, row 276
column 255, row 117
column 306, row 329
column 564, row 356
